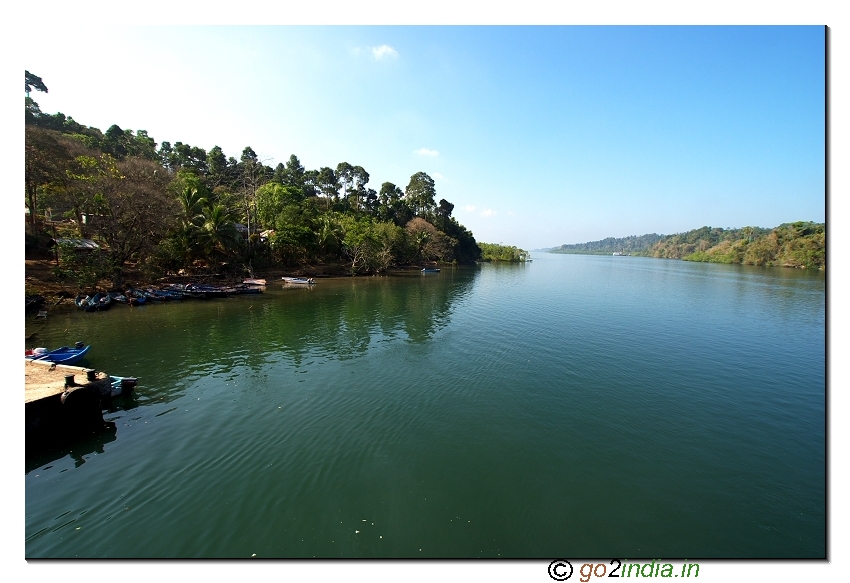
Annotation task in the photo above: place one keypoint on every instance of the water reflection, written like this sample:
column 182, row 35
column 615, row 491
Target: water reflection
column 78, row 450
column 171, row 345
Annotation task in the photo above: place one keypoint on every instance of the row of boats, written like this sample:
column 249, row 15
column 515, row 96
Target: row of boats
column 172, row 292
column 177, row 291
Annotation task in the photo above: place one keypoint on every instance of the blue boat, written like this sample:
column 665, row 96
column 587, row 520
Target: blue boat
column 431, row 270
column 134, row 298
column 64, row 355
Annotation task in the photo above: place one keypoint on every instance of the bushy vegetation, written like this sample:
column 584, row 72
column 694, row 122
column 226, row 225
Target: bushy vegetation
column 497, row 252
column 800, row 244
column 177, row 207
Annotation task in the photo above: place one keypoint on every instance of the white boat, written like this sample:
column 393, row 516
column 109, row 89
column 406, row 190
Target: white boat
column 299, row 280
column 618, row 254
column 253, row 281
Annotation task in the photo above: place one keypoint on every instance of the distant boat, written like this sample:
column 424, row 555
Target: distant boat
column 430, row 270
column 619, row 254
column 253, row 281
column 299, row 280
column 64, row 355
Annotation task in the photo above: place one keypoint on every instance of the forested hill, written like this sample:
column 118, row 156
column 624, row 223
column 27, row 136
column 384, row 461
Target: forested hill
column 799, row 244
column 636, row 245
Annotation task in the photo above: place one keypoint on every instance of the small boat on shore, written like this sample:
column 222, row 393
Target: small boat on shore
column 102, row 301
column 254, row 281
column 63, row 355
column 134, row 297
column 85, row 303
column 299, row 280
column 207, row 290
column 430, row 270
column 118, row 297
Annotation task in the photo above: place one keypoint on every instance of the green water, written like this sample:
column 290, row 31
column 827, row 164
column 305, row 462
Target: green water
column 575, row 406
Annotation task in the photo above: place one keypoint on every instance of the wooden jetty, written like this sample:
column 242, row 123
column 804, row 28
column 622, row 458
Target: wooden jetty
column 64, row 402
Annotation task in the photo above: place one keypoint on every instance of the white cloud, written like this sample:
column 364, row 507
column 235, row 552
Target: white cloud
column 488, row 213
column 438, row 176
column 469, row 208
column 426, row 152
column 384, row 51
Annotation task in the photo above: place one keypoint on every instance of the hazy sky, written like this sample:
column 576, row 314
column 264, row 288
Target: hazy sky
column 539, row 135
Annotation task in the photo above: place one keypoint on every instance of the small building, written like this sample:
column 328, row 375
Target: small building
column 77, row 244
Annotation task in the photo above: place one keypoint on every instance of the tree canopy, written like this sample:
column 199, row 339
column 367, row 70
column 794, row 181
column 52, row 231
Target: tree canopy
column 176, row 206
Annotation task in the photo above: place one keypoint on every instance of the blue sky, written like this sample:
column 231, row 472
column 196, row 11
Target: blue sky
column 539, row 135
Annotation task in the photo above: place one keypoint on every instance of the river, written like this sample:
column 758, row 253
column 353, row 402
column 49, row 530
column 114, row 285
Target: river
column 577, row 405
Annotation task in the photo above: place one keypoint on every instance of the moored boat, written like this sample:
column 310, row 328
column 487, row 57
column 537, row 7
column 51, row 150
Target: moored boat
column 243, row 288
column 117, row 296
column 254, row 281
column 208, row 291
column 85, row 303
column 134, row 298
column 430, row 270
column 299, row 280
column 101, row 301
column 122, row 385
column 63, row 355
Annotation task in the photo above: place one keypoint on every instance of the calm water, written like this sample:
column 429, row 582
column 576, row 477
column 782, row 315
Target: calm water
column 575, row 406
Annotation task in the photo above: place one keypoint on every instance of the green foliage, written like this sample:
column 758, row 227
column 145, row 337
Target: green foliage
column 171, row 206
column 419, row 194
column 800, row 244
column 498, row 252
column 635, row 245
column 33, row 82
column 84, row 267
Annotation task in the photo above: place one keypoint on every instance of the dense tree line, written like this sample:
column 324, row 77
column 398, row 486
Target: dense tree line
column 170, row 207
column 636, row 245
column 800, row 244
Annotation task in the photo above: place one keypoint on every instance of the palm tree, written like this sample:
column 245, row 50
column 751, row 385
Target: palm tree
column 217, row 234
column 191, row 220
column 191, row 203
column 328, row 233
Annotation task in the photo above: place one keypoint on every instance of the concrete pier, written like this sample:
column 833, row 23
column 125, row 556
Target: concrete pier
column 63, row 402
